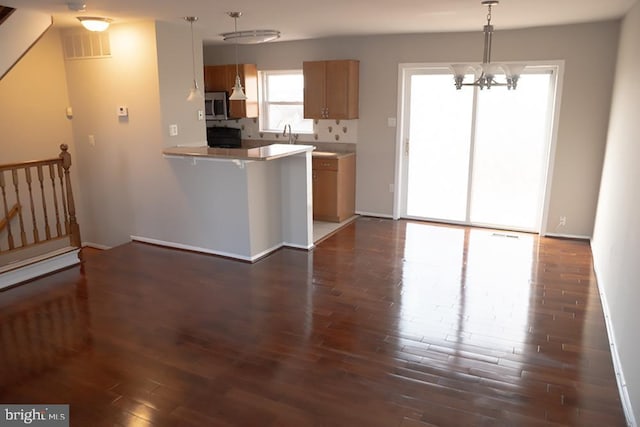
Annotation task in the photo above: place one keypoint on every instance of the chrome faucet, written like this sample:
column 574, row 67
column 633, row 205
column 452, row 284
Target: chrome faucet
column 288, row 127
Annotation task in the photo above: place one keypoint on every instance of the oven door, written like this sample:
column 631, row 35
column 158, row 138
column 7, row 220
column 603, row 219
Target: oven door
column 224, row 137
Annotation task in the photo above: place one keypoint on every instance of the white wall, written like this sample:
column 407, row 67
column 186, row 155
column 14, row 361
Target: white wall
column 616, row 240
column 588, row 50
column 23, row 27
column 108, row 169
column 33, row 102
column 33, row 99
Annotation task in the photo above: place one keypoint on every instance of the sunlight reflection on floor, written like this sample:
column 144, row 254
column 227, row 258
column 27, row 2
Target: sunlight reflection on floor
column 483, row 275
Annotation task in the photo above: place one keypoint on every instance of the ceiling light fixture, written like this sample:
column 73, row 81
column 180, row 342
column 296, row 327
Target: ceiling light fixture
column 238, row 93
column 194, row 92
column 251, row 36
column 487, row 71
column 94, row 23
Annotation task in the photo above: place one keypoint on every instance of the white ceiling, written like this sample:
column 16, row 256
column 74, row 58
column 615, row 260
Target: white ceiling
column 304, row 19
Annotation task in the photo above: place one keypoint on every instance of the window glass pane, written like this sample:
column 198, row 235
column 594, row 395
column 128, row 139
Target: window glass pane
column 281, row 102
column 285, row 88
column 280, row 115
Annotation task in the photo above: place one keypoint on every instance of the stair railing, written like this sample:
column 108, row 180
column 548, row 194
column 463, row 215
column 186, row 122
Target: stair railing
column 37, row 203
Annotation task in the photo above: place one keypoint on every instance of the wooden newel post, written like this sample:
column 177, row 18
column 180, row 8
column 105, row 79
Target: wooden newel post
column 74, row 228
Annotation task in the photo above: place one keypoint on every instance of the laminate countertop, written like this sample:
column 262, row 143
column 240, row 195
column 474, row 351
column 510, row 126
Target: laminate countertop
column 331, row 154
column 267, row 152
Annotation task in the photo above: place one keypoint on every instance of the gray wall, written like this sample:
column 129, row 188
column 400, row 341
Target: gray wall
column 109, row 168
column 588, row 50
column 616, row 240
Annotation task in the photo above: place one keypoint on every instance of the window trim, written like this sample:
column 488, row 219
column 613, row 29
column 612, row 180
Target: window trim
column 263, row 104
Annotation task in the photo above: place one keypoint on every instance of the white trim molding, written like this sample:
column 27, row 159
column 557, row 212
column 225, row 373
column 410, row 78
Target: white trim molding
column 615, row 356
column 39, row 266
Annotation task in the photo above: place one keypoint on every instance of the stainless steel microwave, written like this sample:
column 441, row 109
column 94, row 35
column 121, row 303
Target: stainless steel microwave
column 216, row 105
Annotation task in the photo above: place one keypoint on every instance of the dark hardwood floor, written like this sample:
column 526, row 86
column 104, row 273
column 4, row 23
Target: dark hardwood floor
column 386, row 323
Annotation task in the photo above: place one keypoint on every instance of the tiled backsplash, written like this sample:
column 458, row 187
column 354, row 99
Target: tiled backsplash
column 325, row 131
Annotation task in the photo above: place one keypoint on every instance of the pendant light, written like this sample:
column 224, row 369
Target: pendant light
column 194, row 92
column 238, row 93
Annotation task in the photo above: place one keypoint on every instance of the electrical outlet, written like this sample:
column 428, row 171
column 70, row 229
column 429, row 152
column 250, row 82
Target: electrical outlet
column 173, row 130
column 200, row 115
column 563, row 221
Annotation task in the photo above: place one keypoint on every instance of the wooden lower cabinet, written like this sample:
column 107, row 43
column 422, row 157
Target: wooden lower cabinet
column 334, row 187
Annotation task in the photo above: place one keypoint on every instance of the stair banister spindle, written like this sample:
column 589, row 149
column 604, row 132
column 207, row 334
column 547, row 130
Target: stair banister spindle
column 34, row 223
column 6, row 211
column 47, row 229
column 55, row 199
column 23, row 235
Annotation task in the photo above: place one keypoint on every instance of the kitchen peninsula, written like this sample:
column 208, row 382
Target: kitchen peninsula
column 251, row 201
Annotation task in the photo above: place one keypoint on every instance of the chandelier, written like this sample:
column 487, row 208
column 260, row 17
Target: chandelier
column 487, row 71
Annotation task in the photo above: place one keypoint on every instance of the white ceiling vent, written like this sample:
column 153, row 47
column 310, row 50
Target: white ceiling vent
column 86, row 45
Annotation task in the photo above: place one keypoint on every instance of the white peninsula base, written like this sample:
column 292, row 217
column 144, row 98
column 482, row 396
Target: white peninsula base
column 248, row 203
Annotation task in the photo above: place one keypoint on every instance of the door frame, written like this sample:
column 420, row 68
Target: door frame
column 403, row 107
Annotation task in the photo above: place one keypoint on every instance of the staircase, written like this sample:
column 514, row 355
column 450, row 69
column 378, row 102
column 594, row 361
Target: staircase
column 39, row 233
column 22, row 28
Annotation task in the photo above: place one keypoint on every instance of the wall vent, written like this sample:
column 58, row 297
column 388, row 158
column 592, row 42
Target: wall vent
column 86, row 45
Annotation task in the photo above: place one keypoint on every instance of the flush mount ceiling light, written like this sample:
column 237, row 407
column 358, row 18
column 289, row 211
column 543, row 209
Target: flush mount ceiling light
column 94, row 23
column 251, row 36
column 238, row 93
column 486, row 71
column 194, row 92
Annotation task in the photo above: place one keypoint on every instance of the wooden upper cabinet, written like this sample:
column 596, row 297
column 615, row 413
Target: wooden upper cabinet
column 314, row 89
column 223, row 78
column 331, row 89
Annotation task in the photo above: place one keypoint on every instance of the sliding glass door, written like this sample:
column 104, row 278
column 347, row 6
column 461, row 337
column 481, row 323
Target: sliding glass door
column 476, row 157
column 437, row 148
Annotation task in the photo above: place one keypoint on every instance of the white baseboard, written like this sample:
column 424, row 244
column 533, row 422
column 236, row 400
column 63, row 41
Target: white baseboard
column 189, row 248
column 296, row 246
column 95, row 245
column 567, row 236
column 617, row 365
column 374, row 214
column 39, row 266
column 192, row 248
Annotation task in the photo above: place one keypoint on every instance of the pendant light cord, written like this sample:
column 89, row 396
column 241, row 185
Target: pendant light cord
column 193, row 55
column 235, row 28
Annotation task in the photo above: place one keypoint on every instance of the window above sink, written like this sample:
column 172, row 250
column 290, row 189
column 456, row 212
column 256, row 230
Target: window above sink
column 281, row 97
